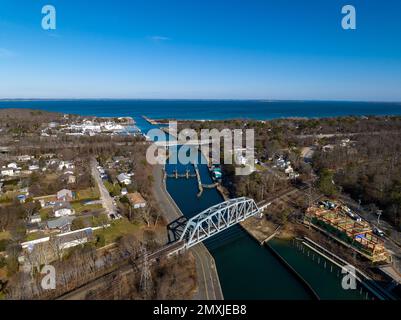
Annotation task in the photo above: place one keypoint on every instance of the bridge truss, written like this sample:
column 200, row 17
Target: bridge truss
column 216, row 219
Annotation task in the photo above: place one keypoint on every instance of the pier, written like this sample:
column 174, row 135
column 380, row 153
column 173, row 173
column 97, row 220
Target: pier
column 210, row 186
column 198, row 177
column 151, row 121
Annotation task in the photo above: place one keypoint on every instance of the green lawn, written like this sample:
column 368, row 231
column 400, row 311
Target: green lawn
column 79, row 207
column 118, row 229
column 5, row 235
column 34, row 236
column 8, row 196
column 45, row 213
column 88, row 194
column 260, row 167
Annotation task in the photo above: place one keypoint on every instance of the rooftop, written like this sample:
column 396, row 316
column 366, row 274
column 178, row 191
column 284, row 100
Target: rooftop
column 135, row 198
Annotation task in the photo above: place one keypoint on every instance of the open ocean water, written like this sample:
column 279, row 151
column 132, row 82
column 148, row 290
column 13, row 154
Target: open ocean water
column 209, row 109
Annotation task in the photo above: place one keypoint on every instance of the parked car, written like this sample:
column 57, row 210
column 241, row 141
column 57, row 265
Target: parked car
column 328, row 205
column 378, row 232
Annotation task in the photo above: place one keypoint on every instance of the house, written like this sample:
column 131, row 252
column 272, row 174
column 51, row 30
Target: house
column 65, row 195
column 7, row 172
column 62, row 224
column 289, row 170
column 33, row 167
column 24, row 190
column 71, row 179
column 65, row 165
column 124, row 179
column 24, row 158
column 36, row 218
column 136, row 200
column 12, row 165
column 74, row 238
column 62, row 209
column 124, row 191
column 43, row 250
column 33, row 227
column 240, row 159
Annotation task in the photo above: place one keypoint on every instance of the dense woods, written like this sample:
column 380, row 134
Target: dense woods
column 369, row 171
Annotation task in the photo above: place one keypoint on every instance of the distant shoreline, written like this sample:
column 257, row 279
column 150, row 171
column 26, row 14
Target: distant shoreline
column 205, row 100
column 209, row 110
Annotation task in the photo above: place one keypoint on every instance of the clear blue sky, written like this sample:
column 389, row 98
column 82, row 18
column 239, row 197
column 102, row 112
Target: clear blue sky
column 232, row 49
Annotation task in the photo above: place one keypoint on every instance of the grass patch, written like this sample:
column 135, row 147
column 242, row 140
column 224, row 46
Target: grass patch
column 118, row 229
column 8, row 196
column 34, row 236
column 88, row 194
column 80, row 208
column 260, row 167
column 45, row 213
column 5, row 235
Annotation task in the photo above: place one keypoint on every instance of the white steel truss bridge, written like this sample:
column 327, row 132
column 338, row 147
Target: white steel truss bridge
column 217, row 219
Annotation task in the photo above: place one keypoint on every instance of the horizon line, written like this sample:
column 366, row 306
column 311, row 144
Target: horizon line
column 193, row 99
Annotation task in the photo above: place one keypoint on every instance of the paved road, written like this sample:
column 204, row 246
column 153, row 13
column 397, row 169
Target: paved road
column 107, row 200
column 350, row 134
column 208, row 280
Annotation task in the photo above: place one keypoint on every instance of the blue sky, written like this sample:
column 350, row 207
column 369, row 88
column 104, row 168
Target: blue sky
column 220, row 49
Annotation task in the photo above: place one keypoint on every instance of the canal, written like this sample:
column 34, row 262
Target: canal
column 246, row 269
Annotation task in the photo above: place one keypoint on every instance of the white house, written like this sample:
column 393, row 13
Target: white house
column 63, row 209
column 65, row 165
column 33, row 167
column 12, row 165
column 7, row 172
column 35, row 218
column 124, row 179
column 24, row 158
column 65, row 195
column 136, row 200
column 289, row 170
column 124, row 191
column 240, row 159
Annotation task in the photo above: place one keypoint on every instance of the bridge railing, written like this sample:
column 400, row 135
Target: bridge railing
column 218, row 218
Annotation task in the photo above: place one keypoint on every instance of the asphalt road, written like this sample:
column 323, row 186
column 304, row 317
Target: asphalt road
column 106, row 199
column 208, row 279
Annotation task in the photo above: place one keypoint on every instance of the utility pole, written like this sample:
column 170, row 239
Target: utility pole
column 309, row 195
column 146, row 276
column 379, row 213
